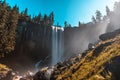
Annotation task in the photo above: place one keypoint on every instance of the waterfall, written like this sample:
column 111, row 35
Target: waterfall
column 57, row 44
column 57, row 48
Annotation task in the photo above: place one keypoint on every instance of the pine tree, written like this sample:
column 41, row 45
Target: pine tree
column 93, row 19
column 107, row 10
column 98, row 16
column 3, row 19
column 69, row 25
column 26, row 12
column 6, row 31
column 12, row 31
column 39, row 18
column 65, row 24
column 117, row 7
column 51, row 19
column 45, row 19
column 8, row 23
column 79, row 24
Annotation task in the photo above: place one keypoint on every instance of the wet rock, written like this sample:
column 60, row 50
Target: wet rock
column 59, row 65
column 39, row 76
column 91, row 46
column 44, row 74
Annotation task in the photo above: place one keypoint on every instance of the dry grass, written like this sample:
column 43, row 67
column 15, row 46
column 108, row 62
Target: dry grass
column 91, row 67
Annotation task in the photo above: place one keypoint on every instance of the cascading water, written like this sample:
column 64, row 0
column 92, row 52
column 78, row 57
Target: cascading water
column 57, row 44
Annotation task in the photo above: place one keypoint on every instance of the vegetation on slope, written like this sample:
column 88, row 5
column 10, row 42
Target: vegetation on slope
column 101, row 63
column 4, row 72
column 8, row 23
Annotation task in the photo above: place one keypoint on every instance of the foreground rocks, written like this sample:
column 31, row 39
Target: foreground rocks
column 5, row 73
column 8, row 74
column 50, row 73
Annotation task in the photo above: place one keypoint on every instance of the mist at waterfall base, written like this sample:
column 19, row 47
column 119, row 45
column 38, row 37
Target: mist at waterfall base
column 57, row 49
column 79, row 42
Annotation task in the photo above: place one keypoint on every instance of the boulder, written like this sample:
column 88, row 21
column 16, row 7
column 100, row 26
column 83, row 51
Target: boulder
column 109, row 35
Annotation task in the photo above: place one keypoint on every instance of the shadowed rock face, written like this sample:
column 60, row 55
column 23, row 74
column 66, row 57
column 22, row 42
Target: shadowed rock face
column 114, row 67
column 100, row 48
column 109, row 35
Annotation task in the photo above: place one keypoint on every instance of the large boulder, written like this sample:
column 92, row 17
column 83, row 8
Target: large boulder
column 109, row 35
column 44, row 74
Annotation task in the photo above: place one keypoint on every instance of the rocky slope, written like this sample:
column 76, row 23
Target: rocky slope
column 99, row 63
column 8, row 74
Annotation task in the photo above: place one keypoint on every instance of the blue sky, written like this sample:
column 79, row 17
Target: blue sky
column 71, row 11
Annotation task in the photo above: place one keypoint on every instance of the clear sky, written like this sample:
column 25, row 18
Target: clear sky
column 71, row 11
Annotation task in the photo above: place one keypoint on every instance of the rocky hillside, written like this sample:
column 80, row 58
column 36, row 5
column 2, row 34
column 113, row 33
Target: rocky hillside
column 101, row 63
